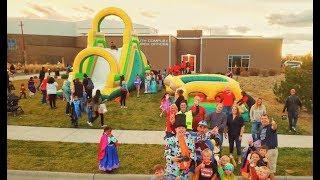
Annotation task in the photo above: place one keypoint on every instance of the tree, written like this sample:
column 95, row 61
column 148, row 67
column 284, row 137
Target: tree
column 299, row 79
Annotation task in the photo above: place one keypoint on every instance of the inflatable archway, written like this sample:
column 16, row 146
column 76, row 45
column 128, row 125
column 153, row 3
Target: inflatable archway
column 82, row 55
column 128, row 60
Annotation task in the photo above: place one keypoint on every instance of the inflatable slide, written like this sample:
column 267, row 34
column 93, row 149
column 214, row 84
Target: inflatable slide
column 105, row 65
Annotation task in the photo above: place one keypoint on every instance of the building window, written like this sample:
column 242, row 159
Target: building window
column 236, row 61
column 12, row 44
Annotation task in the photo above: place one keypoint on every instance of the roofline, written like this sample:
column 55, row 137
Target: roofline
column 240, row 37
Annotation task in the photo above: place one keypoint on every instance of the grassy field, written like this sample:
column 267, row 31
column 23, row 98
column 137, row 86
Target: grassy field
column 262, row 87
column 143, row 112
column 136, row 159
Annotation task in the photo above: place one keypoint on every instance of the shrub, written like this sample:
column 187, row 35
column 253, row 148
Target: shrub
column 272, row 72
column 299, row 79
column 264, row 73
column 254, row 72
column 64, row 76
column 244, row 73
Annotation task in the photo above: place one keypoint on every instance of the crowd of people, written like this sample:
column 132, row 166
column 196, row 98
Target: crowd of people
column 194, row 138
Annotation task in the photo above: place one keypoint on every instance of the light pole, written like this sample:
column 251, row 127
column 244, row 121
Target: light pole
column 24, row 57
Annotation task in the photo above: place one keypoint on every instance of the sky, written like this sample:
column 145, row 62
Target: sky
column 290, row 19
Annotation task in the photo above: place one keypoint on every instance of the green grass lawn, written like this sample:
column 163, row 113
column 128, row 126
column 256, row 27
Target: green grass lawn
column 136, row 159
column 142, row 114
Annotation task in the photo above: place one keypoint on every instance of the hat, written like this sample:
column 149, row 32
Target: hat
column 180, row 121
column 229, row 167
column 203, row 123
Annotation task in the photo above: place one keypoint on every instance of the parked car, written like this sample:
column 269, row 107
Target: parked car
column 292, row 64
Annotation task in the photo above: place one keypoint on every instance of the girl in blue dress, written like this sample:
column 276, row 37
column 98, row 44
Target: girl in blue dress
column 108, row 153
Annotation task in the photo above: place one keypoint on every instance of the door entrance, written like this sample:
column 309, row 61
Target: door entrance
column 189, row 60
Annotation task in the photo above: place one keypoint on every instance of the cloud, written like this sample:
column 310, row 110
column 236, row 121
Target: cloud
column 84, row 9
column 29, row 14
column 149, row 14
column 302, row 19
column 290, row 38
column 47, row 12
column 241, row 29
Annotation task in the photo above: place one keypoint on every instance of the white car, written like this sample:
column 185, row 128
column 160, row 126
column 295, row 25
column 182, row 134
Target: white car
column 292, row 64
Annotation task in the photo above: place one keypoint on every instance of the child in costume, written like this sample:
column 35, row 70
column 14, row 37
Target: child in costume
column 137, row 84
column 23, row 91
column 75, row 111
column 153, row 84
column 165, row 104
column 226, row 172
column 108, row 153
column 179, row 152
column 147, row 80
column 158, row 172
column 31, row 87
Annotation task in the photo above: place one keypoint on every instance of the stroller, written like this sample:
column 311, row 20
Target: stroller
column 13, row 104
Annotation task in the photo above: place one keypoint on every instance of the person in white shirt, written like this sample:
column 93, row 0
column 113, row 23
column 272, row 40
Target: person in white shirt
column 52, row 92
column 256, row 111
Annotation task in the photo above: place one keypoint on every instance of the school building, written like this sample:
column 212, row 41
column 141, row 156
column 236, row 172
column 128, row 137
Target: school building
column 49, row 41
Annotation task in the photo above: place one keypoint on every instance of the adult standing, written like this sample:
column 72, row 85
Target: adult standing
column 97, row 100
column 228, row 100
column 52, row 92
column 218, row 119
column 180, row 98
column 269, row 138
column 198, row 113
column 42, row 75
column 179, row 149
column 257, row 110
column 292, row 105
column 235, row 129
column 67, row 95
column 88, row 85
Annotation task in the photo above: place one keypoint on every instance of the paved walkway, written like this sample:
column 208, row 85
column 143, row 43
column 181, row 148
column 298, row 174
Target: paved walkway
column 44, row 175
column 22, row 77
column 124, row 136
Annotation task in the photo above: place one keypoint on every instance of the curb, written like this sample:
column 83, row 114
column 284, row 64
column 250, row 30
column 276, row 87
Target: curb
column 48, row 175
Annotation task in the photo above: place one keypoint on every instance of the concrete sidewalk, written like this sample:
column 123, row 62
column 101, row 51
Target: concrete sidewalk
column 22, row 77
column 46, row 175
column 29, row 133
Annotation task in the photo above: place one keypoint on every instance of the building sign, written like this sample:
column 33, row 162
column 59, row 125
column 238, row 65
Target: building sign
column 154, row 42
column 12, row 44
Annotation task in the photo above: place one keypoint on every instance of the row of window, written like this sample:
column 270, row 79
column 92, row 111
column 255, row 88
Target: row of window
column 236, row 61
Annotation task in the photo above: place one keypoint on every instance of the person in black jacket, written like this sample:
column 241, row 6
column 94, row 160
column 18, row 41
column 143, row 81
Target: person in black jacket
column 42, row 75
column 292, row 106
column 247, row 100
column 179, row 99
column 88, row 85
